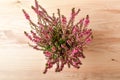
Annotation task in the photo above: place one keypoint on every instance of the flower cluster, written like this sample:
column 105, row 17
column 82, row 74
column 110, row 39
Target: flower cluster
column 61, row 40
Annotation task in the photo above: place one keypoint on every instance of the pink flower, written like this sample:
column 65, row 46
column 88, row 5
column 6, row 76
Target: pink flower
column 64, row 21
column 47, row 53
column 75, row 30
column 73, row 14
column 37, row 11
column 28, row 35
column 69, row 42
column 63, row 46
column 49, row 64
column 87, row 21
column 75, row 63
column 48, row 37
column 36, row 7
column 41, row 26
column 88, row 40
column 26, row 14
column 33, row 33
column 74, row 51
column 36, row 4
column 36, row 39
column 81, row 21
column 87, row 31
column 53, row 49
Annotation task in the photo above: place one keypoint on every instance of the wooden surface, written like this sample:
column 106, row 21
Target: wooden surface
column 18, row 61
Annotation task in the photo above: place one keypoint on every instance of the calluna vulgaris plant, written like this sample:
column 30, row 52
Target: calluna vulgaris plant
column 61, row 40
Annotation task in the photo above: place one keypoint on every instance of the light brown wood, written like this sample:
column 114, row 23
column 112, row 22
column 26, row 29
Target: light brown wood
column 18, row 61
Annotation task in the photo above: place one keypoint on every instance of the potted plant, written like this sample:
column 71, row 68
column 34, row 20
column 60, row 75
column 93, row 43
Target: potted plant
column 60, row 39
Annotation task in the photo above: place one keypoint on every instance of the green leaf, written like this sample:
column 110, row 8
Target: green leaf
column 56, row 44
column 61, row 41
column 55, row 56
column 48, row 47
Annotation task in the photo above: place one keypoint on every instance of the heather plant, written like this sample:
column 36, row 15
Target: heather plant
column 60, row 39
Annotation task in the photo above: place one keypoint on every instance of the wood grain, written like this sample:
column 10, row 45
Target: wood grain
column 18, row 61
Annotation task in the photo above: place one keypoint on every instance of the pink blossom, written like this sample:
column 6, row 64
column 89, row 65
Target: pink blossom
column 86, row 21
column 75, row 30
column 63, row 45
column 41, row 26
column 88, row 40
column 35, row 39
column 28, row 35
column 36, row 4
column 69, row 42
column 73, row 14
column 74, row 51
column 33, row 33
column 47, row 53
column 74, row 63
column 48, row 37
column 81, row 21
column 87, row 31
column 26, row 14
column 53, row 49
column 49, row 64
column 37, row 11
column 64, row 21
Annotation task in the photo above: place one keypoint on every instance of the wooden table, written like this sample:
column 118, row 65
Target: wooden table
column 18, row 61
